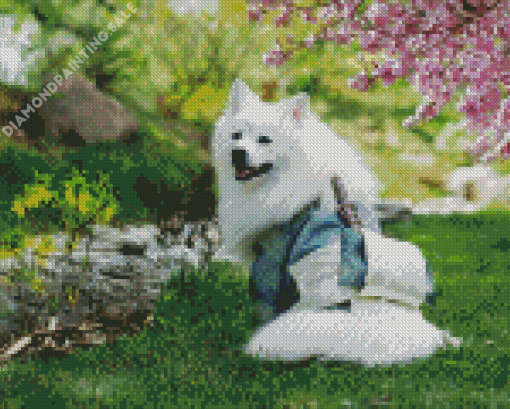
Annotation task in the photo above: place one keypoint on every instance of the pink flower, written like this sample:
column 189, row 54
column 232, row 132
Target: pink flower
column 439, row 45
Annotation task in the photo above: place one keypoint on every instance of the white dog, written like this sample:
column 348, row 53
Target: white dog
column 297, row 201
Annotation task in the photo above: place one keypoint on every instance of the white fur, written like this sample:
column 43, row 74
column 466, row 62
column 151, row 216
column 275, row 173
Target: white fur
column 306, row 154
column 374, row 332
column 377, row 330
column 396, row 271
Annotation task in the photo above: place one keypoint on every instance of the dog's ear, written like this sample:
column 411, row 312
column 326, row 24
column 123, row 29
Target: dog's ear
column 240, row 95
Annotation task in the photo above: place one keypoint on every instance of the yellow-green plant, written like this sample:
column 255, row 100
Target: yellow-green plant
column 78, row 202
column 86, row 203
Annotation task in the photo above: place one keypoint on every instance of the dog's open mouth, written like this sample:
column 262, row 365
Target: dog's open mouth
column 245, row 172
column 248, row 173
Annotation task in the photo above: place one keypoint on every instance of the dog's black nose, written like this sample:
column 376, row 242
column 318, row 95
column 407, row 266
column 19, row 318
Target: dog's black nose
column 239, row 157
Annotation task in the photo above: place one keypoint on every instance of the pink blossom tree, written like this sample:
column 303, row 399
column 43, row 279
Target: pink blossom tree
column 438, row 45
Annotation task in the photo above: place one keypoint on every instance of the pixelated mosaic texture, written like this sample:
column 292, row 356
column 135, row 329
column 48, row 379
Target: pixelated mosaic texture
column 111, row 195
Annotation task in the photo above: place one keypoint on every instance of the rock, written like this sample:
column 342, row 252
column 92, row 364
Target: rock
column 85, row 112
column 478, row 184
column 473, row 189
column 114, row 272
column 395, row 210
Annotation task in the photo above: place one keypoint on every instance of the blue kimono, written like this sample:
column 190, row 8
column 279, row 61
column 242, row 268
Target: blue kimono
column 271, row 284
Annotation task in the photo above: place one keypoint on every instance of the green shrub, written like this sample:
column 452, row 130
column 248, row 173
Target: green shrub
column 78, row 202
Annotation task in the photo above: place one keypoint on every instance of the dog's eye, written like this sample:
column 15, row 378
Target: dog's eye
column 237, row 135
column 264, row 139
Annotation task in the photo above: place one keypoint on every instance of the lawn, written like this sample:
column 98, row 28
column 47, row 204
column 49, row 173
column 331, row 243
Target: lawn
column 191, row 357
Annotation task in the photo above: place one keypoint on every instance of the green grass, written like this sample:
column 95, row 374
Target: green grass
column 191, row 357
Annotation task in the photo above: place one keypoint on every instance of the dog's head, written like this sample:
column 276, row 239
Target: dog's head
column 253, row 159
column 255, row 137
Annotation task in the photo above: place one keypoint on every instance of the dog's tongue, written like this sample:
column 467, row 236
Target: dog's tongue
column 244, row 173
